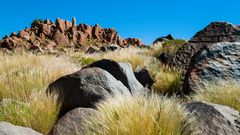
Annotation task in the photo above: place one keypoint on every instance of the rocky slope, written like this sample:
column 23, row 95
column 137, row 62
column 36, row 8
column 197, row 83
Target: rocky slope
column 48, row 36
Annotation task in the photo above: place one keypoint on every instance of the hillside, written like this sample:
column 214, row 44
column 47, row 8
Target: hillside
column 45, row 36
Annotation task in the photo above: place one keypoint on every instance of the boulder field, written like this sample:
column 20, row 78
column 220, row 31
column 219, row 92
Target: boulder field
column 45, row 36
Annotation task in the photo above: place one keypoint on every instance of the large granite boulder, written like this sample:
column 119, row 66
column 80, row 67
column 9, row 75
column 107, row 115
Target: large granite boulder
column 213, row 119
column 9, row 129
column 85, row 88
column 213, row 33
column 215, row 63
column 73, row 122
column 122, row 72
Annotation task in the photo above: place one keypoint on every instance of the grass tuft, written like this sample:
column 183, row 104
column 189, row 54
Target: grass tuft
column 167, row 81
column 141, row 115
column 226, row 94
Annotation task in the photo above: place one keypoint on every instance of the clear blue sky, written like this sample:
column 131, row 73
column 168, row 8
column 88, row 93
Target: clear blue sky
column 147, row 19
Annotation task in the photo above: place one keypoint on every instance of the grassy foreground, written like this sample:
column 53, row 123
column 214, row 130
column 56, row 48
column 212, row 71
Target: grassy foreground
column 24, row 79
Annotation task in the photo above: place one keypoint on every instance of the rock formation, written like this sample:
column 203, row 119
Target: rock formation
column 215, row 63
column 213, row 33
column 65, row 34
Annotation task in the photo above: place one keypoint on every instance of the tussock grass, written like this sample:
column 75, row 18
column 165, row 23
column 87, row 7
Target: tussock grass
column 141, row 115
column 24, row 79
column 39, row 112
column 228, row 94
column 167, row 80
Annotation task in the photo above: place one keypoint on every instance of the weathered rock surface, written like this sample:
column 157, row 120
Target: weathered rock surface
column 72, row 123
column 144, row 77
column 92, row 50
column 85, row 88
column 213, row 33
column 9, row 129
column 122, row 72
column 218, row 32
column 164, row 58
column 66, row 33
column 112, row 47
column 213, row 119
column 215, row 63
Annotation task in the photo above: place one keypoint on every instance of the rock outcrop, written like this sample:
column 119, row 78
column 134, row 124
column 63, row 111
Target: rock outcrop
column 85, row 88
column 9, row 129
column 215, row 63
column 65, row 34
column 213, row 119
column 218, row 32
column 213, row 33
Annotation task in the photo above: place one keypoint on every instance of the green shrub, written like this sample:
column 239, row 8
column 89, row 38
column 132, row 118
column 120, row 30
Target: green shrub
column 83, row 61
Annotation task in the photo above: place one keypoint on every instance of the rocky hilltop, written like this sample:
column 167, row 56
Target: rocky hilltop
column 49, row 36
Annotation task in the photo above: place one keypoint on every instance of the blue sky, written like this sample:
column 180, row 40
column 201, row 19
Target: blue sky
column 147, row 19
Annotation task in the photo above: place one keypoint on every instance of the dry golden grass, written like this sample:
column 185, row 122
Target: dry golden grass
column 141, row 115
column 226, row 94
column 24, row 79
column 40, row 112
column 167, row 81
column 135, row 56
